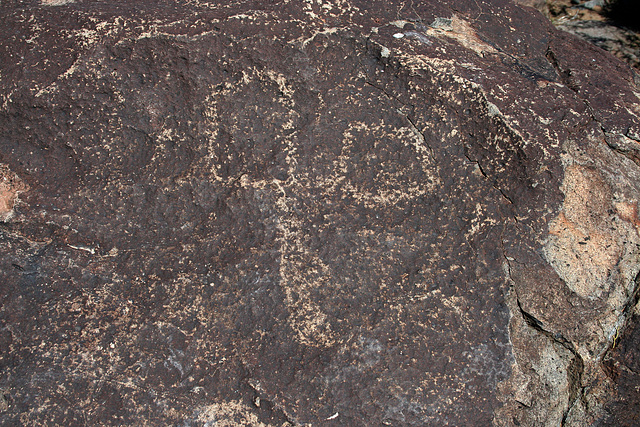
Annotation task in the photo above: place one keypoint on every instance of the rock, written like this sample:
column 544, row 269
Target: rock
column 594, row 4
column 612, row 27
column 622, row 363
column 314, row 213
column 621, row 42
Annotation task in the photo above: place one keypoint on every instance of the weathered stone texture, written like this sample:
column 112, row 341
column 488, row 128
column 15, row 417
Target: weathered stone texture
column 314, row 213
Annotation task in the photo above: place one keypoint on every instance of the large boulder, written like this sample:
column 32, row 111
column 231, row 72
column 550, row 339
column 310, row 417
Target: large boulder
column 314, row 213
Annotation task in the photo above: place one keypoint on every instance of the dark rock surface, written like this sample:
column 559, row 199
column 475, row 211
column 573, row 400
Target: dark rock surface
column 314, row 213
column 623, row 363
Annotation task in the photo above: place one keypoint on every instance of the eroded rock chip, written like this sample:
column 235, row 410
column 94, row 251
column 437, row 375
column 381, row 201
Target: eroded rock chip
column 10, row 186
column 314, row 213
